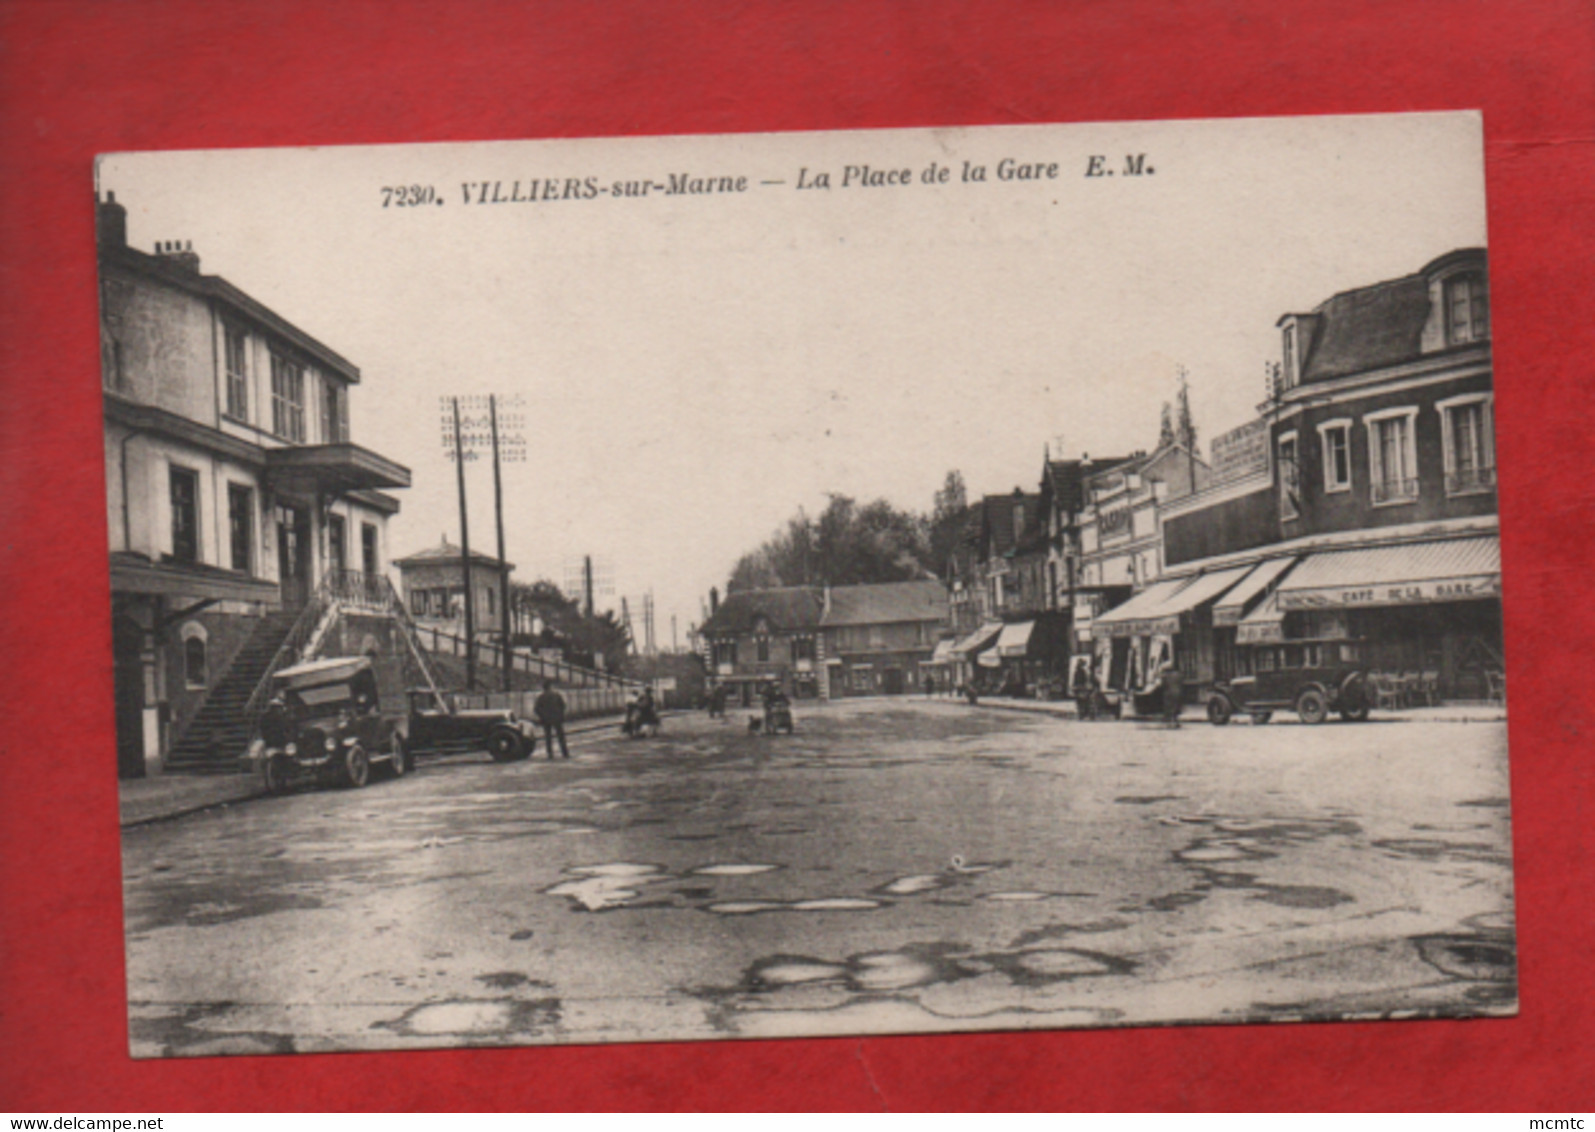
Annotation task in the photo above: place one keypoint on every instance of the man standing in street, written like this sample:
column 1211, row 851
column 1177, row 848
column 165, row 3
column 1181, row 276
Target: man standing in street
column 549, row 709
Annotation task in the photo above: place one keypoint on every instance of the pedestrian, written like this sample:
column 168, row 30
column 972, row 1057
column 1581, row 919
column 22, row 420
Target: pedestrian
column 930, row 685
column 549, row 710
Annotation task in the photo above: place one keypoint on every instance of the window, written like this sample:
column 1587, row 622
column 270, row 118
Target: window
column 1288, row 370
column 337, row 546
column 1289, row 477
column 489, row 602
column 1335, row 438
column 418, row 603
column 877, row 636
column 1467, row 308
column 725, row 652
column 761, row 648
column 368, row 550
column 287, row 399
column 194, row 667
column 185, row 514
column 1392, row 459
column 241, row 526
column 236, row 349
column 334, row 414
column 802, row 648
column 1468, row 442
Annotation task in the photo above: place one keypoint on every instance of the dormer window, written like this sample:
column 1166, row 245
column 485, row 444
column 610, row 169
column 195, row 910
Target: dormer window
column 1467, row 308
column 1288, row 370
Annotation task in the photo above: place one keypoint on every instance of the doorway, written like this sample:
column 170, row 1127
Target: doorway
column 293, row 553
column 127, row 647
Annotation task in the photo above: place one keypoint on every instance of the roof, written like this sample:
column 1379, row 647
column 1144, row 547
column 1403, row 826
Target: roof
column 215, row 287
column 448, row 552
column 997, row 525
column 886, row 603
column 1371, row 327
column 784, row 607
column 1065, row 479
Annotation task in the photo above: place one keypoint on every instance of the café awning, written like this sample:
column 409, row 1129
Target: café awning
column 1232, row 607
column 1420, row 573
column 1262, row 625
column 1014, row 640
column 979, row 639
column 943, row 653
column 1201, row 590
column 1135, row 618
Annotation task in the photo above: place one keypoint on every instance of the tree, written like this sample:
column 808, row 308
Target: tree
column 1165, row 432
column 846, row 545
column 948, row 517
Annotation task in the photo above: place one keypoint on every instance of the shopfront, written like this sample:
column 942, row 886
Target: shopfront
column 1425, row 609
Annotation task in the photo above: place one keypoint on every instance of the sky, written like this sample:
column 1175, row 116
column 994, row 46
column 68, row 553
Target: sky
column 694, row 367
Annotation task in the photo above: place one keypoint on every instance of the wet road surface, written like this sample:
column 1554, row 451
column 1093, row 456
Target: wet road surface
column 894, row 866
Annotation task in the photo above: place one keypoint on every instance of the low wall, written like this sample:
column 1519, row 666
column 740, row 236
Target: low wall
column 580, row 703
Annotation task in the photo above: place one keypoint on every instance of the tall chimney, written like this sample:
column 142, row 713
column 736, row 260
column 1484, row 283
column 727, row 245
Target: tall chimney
column 714, row 600
column 111, row 227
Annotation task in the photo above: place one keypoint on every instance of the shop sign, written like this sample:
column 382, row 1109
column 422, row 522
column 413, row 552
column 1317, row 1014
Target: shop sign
column 1114, row 524
column 1259, row 632
column 1406, row 593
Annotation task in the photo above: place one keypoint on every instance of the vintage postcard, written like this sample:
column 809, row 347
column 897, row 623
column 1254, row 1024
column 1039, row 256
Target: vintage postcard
column 841, row 583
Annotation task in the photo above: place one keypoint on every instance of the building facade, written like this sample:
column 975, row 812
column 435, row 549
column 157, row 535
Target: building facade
column 1374, row 521
column 881, row 639
column 233, row 488
column 432, row 585
column 755, row 637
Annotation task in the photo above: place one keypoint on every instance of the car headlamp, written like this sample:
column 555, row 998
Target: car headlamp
column 292, row 749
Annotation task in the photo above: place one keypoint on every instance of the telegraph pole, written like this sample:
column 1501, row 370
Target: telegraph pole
column 506, row 655
column 465, row 556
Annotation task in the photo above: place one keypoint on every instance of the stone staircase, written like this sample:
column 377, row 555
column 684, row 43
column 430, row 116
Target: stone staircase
column 219, row 731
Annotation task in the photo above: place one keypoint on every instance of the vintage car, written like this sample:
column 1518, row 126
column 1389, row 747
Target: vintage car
column 324, row 725
column 433, row 730
column 1313, row 677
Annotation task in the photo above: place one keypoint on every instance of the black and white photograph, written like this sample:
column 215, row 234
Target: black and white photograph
column 778, row 585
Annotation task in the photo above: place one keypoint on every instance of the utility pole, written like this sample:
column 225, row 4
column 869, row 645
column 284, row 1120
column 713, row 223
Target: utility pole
column 587, row 585
column 465, row 556
column 506, row 655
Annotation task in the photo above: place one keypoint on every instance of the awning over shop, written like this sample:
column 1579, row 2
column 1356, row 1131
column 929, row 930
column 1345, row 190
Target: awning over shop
column 1200, row 591
column 1014, row 640
column 979, row 639
column 1262, row 625
column 1137, row 617
column 943, row 653
column 1412, row 574
column 1233, row 605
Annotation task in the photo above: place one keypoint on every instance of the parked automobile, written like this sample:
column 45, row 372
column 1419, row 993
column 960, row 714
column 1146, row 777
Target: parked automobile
column 500, row 732
column 324, row 724
column 1312, row 677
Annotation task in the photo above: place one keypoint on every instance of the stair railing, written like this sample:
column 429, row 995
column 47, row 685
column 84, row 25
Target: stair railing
column 408, row 630
column 289, row 651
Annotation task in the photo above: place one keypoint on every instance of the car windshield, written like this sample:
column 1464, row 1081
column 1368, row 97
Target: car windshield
column 326, row 694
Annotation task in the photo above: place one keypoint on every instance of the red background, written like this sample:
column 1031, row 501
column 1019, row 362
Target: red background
column 79, row 78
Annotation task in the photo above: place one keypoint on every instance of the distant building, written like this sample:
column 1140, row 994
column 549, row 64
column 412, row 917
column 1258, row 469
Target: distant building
column 754, row 637
column 432, row 584
column 234, row 491
column 880, row 639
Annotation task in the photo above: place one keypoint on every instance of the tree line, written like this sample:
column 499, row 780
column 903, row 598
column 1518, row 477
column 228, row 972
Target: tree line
column 849, row 543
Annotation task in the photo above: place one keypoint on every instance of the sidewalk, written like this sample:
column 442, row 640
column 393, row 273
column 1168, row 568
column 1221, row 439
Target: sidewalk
column 1469, row 712
column 164, row 796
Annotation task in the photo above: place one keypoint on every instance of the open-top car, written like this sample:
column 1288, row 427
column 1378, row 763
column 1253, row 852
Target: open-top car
column 436, row 729
column 324, row 724
column 1312, row 677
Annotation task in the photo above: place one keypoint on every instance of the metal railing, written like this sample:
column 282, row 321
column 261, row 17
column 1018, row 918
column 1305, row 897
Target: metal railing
column 489, row 657
column 1394, row 491
column 288, row 653
column 580, row 703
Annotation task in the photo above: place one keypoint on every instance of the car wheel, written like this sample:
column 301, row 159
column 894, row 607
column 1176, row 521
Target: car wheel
column 1312, row 707
column 1218, row 711
column 506, row 746
column 1358, row 714
column 356, row 767
column 1261, row 717
column 275, row 775
column 400, row 762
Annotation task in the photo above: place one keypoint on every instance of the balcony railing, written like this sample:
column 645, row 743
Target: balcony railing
column 1469, row 480
column 1394, row 491
column 353, row 590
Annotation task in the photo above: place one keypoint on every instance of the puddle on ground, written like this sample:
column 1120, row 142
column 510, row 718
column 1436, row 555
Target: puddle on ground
column 744, row 870
column 1147, row 799
column 509, row 980
column 1302, row 896
column 600, row 887
column 1478, row 958
column 476, row 1018
column 908, row 886
column 1434, row 849
column 1019, row 897
column 823, row 904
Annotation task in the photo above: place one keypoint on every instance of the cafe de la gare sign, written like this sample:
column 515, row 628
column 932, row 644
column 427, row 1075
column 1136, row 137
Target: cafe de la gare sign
column 1402, row 593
